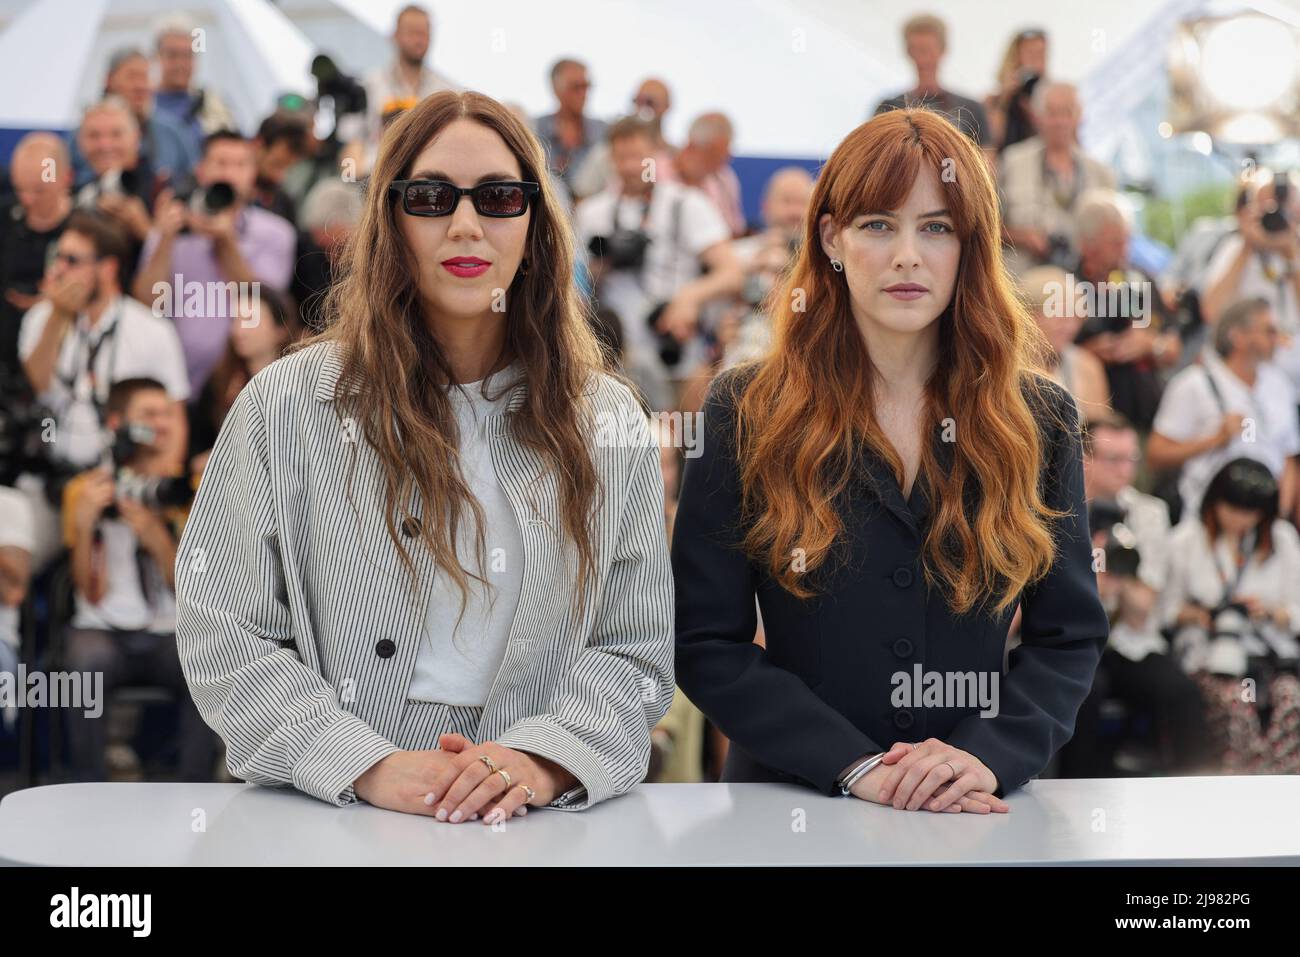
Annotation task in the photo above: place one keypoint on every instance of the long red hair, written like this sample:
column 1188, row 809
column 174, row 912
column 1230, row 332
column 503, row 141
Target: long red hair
column 806, row 411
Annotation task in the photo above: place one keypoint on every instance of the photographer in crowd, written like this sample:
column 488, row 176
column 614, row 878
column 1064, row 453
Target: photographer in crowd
column 1043, row 180
column 1136, row 667
column 406, row 79
column 123, row 548
column 1126, row 324
column 1234, row 402
column 744, row 328
column 1231, row 596
column 41, row 174
column 197, row 110
column 209, row 241
column 16, row 543
column 1023, row 68
column 649, row 242
column 119, row 180
column 1262, row 260
column 164, row 144
column 84, row 336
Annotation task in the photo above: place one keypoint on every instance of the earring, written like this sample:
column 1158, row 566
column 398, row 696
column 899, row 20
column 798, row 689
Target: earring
column 837, row 265
column 523, row 266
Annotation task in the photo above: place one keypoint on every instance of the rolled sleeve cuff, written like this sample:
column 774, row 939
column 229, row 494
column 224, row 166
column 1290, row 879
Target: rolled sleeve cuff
column 549, row 740
column 342, row 753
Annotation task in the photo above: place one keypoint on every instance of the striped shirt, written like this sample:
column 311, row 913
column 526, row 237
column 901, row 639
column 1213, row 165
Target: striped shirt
column 298, row 632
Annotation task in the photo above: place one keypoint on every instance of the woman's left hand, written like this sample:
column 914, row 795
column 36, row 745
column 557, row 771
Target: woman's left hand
column 939, row 773
column 477, row 789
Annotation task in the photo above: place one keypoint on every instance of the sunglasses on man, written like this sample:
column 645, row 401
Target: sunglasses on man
column 433, row 197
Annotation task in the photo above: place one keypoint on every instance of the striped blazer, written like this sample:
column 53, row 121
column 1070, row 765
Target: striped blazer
column 298, row 633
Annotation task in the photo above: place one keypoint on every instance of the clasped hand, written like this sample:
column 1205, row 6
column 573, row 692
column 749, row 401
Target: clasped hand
column 454, row 784
column 933, row 775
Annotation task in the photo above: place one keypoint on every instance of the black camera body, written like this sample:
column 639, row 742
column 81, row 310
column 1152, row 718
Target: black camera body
column 622, row 249
column 1275, row 219
column 348, row 94
column 22, row 420
column 115, row 182
column 209, row 200
column 151, row 491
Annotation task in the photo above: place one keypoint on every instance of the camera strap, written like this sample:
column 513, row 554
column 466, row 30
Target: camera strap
column 1053, row 183
column 70, row 381
column 645, row 213
column 1246, row 553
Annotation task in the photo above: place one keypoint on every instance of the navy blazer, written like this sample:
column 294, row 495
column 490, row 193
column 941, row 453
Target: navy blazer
column 826, row 690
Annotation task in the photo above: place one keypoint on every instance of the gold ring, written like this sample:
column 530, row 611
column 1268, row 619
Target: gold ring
column 527, row 790
column 505, row 775
column 952, row 769
column 488, row 761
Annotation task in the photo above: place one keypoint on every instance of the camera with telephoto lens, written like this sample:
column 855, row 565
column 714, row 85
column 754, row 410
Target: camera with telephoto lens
column 151, row 491
column 1129, row 304
column 622, row 249
column 208, row 201
column 1275, row 220
column 22, row 423
column 348, row 94
column 114, row 182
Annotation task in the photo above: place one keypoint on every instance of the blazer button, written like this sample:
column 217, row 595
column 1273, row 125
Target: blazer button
column 902, row 576
column 903, row 719
column 410, row 527
column 386, row 648
column 903, row 648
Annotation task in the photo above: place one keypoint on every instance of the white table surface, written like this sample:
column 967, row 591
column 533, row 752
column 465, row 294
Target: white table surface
column 1203, row 820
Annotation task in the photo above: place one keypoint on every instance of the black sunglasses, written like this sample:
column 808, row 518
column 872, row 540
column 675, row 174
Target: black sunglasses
column 435, row 197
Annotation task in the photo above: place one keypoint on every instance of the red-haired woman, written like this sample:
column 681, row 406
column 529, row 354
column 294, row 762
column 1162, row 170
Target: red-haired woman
column 889, row 482
column 413, row 574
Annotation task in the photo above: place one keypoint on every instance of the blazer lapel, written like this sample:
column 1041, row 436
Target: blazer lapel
column 883, row 484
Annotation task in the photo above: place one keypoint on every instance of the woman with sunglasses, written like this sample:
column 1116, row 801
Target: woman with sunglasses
column 426, row 566
column 1232, row 599
column 890, row 481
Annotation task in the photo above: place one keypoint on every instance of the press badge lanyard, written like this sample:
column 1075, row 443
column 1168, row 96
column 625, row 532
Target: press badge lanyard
column 85, row 387
column 1242, row 562
column 1054, row 183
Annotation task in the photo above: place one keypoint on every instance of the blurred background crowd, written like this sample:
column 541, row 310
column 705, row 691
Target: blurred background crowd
column 128, row 247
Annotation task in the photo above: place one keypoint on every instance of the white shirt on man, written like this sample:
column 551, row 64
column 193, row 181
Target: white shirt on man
column 136, row 597
column 132, row 343
column 1264, row 277
column 1189, row 410
column 458, row 660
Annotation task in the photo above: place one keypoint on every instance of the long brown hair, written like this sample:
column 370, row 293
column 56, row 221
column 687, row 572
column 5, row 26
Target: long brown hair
column 400, row 372
column 232, row 372
column 808, row 408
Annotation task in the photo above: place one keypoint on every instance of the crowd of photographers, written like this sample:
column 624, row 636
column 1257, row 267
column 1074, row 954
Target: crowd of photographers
column 158, row 259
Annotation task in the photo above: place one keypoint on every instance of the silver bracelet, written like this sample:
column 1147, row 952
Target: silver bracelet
column 852, row 778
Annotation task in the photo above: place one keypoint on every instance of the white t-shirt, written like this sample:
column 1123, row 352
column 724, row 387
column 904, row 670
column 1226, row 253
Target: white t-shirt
column 1189, row 410
column 669, row 264
column 132, row 342
column 461, row 671
column 1279, row 291
column 124, row 605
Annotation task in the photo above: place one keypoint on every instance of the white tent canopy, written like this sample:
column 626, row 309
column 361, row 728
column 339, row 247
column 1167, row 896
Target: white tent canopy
column 794, row 75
